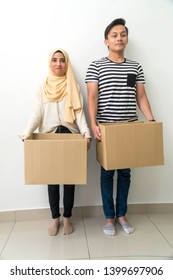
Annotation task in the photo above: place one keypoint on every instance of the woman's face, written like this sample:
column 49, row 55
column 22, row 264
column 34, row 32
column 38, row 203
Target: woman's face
column 58, row 64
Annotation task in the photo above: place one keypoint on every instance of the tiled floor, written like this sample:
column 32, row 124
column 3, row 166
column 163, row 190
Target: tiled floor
column 152, row 239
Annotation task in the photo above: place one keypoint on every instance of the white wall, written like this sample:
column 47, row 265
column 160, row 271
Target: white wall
column 29, row 31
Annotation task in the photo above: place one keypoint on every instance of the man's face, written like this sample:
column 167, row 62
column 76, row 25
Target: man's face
column 117, row 39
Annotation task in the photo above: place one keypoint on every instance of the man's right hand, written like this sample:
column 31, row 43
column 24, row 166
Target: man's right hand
column 96, row 132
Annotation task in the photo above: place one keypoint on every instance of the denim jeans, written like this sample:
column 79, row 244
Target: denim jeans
column 119, row 208
column 68, row 192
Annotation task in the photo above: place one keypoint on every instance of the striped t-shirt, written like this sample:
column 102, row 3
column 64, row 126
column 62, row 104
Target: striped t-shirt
column 117, row 88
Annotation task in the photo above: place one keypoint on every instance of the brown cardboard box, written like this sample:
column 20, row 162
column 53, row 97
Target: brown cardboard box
column 53, row 158
column 129, row 145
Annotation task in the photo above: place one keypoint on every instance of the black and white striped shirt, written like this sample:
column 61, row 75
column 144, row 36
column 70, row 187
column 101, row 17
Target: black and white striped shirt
column 117, row 88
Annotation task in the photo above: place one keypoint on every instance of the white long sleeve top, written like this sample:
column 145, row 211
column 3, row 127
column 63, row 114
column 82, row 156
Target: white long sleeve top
column 46, row 117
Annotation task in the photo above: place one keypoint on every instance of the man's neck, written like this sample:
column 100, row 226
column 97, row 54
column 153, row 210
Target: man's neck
column 116, row 57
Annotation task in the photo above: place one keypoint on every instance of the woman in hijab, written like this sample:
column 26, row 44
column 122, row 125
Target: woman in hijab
column 58, row 108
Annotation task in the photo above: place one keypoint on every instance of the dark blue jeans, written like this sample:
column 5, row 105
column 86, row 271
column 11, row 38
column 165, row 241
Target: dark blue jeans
column 68, row 192
column 119, row 208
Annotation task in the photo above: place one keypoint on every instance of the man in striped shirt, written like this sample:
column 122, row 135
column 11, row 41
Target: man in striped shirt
column 115, row 87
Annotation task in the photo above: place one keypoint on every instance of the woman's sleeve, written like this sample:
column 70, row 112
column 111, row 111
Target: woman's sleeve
column 36, row 116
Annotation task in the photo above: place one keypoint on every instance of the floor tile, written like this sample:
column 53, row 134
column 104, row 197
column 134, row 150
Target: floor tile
column 134, row 258
column 164, row 223
column 29, row 240
column 26, row 239
column 5, row 229
column 145, row 242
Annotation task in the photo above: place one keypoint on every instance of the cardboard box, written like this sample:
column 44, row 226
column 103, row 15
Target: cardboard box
column 129, row 145
column 54, row 158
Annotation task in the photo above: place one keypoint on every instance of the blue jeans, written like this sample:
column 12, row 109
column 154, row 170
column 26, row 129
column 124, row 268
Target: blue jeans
column 107, row 186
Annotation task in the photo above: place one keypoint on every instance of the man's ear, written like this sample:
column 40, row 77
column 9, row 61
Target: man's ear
column 106, row 43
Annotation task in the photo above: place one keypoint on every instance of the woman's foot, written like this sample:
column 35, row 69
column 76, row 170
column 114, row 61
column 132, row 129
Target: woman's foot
column 54, row 227
column 109, row 227
column 125, row 225
column 68, row 227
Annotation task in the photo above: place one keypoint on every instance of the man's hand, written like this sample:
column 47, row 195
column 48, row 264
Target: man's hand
column 96, row 132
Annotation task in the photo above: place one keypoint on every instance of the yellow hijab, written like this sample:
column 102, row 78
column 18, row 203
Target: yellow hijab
column 55, row 88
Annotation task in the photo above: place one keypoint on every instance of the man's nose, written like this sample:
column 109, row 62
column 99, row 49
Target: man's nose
column 119, row 37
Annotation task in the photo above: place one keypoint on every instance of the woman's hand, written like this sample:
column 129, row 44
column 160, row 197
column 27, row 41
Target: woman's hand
column 88, row 143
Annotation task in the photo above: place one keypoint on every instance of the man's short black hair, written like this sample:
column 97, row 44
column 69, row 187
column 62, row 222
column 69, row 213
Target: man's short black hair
column 118, row 21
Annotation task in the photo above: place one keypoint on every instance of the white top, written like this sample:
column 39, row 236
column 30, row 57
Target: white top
column 47, row 116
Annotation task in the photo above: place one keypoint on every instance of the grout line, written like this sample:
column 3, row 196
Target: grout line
column 86, row 235
column 7, row 238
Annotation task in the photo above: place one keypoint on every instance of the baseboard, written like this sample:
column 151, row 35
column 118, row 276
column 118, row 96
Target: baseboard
column 84, row 211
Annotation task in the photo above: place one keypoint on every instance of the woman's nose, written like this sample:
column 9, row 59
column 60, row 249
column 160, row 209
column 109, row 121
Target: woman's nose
column 58, row 62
